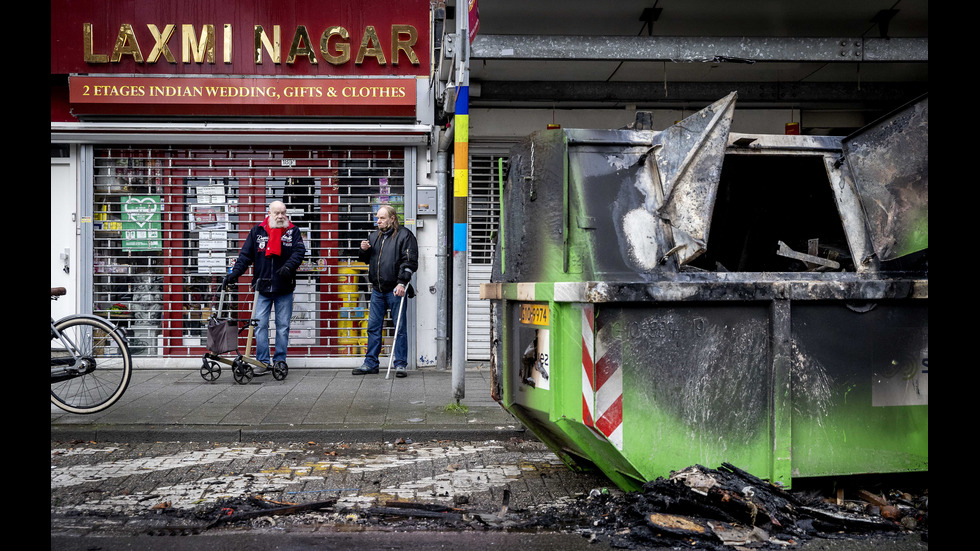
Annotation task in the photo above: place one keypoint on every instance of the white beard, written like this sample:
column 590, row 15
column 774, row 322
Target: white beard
column 274, row 224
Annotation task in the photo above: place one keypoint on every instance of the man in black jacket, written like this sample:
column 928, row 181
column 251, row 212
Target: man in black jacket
column 392, row 254
column 275, row 248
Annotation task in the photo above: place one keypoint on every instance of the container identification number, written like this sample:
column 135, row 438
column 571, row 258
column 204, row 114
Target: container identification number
column 534, row 314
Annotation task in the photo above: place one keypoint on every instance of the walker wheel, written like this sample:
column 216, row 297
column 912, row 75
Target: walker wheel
column 279, row 371
column 210, row 370
column 241, row 371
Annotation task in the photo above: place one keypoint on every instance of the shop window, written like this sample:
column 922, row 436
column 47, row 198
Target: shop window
column 169, row 223
column 60, row 151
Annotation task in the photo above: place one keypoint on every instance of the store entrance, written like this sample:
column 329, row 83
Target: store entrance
column 170, row 223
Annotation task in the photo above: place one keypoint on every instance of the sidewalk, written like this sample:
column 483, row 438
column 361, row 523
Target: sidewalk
column 310, row 404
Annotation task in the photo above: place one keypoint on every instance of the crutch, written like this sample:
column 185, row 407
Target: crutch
column 391, row 353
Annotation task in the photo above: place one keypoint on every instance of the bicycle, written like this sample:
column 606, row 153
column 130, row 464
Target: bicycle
column 90, row 362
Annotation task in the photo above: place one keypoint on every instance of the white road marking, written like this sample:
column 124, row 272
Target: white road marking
column 80, row 474
column 187, row 495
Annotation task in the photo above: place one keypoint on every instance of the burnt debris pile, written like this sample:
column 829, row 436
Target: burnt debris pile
column 725, row 508
column 730, row 508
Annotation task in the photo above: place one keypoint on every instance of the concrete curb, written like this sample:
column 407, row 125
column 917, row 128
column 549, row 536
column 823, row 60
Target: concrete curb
column 245, row 433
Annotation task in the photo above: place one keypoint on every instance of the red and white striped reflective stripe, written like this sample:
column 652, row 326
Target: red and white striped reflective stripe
column 588, row 367
column 602, row 380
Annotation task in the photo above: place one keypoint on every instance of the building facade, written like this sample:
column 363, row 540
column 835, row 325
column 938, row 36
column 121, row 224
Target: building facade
column 175, row 124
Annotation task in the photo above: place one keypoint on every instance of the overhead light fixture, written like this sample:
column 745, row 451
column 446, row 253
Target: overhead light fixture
column 648, row 16
column 882, row 18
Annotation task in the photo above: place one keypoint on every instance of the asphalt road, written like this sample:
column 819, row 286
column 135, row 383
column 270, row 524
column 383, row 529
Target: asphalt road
column 420, row 541
column 393, row 495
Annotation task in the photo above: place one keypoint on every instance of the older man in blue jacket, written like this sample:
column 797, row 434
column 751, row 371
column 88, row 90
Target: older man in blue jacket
column 275, row 248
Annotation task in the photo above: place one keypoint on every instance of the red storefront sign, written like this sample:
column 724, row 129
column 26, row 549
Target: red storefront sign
column 138, row 94
column 254, row 91
column 261, row 57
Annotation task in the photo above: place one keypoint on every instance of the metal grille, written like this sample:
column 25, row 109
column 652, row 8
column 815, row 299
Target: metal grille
column 483, row 220
column 169, row 223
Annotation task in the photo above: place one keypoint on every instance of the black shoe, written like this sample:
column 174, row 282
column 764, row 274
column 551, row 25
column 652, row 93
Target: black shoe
column 401, row 372
column 364, row 370
column 261, row 370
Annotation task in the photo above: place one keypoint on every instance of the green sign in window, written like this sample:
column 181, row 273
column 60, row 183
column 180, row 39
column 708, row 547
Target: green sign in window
column 141, row 223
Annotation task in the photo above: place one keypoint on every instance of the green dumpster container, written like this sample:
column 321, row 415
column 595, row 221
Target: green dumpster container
column 791, row 343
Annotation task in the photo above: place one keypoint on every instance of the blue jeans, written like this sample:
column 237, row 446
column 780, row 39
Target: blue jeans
column 284, row 311
column 380, row 304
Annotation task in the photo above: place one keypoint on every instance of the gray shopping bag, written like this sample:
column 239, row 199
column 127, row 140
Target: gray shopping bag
column 222, row 336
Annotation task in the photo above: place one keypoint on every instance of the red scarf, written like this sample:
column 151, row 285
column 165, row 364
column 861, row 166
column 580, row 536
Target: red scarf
column 274, row 246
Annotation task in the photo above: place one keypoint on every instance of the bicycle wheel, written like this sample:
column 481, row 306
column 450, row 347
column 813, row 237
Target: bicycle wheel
column 103, row 371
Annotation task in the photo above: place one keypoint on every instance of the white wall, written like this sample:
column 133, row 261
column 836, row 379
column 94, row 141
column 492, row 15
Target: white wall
column 63, row 232
column 427, row 277
column 427, row 233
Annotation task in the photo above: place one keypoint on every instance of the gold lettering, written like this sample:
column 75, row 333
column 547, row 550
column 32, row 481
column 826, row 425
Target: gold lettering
column 126, row 44
column 335, row 45
column 239, row 92
column 117, row 91
column 90, row 57
column 302, row 92
column 370, row 46
column 343, row 45
column 198, row 49
column 227, row 48
column 160, row 47
column 371, row 92
column 175, row 91
column 262, row 40
column 404, row 45
column 301, row 46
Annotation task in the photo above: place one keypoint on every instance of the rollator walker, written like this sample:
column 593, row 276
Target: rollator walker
column 223, row 337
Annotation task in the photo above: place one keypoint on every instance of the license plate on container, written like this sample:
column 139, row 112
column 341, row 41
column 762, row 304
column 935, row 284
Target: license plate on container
column 534, row 314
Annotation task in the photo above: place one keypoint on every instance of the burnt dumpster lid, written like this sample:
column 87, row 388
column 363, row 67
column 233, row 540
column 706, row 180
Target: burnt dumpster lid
column 888, row 161
column 690, row 162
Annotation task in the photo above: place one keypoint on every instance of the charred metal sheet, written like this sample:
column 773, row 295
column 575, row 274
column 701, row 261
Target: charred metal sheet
column 784, row 250
column 615, row 195
column 781, row 144
column 889, row 162
column 622, row 138
column 741, row 287
column 852, row 218
column 864, row 372
column 689, row 164
column 534, row 219
column 640, row 202
column 700, row 363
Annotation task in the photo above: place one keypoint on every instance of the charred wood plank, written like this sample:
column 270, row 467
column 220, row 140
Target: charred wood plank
column 416, row 513
column 850, row 523
column 272, row 511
